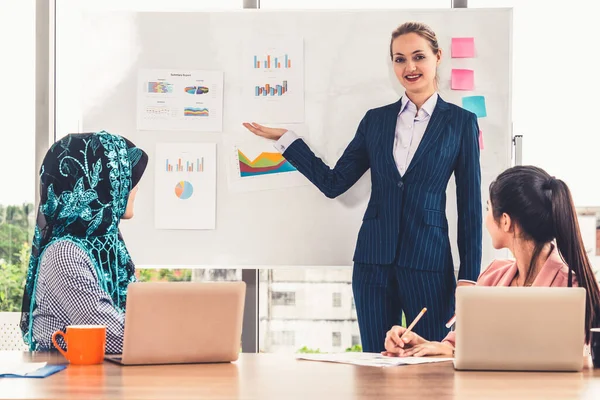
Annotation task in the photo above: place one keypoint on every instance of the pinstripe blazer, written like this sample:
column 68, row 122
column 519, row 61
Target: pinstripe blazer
column 405, row 219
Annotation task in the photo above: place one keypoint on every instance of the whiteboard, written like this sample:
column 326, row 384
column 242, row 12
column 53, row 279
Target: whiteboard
column 347, row 71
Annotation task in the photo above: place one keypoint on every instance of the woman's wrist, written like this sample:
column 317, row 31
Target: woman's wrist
column 449, row 349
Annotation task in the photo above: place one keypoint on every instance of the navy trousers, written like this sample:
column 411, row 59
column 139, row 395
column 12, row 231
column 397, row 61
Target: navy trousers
column 382, row 292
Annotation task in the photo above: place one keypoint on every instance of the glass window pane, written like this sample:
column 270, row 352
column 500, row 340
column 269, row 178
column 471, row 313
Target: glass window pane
column 321, row 318
column 188, row 275
column 150, row 5
column 336, row 339
column 554, row 89
column 282, row 338
column 283, row 298
column 17, row 152
column 352, row 4
column 337, row 299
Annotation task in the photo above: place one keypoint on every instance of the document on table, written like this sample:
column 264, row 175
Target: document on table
column 369, row 359
column 20, row 368
column 29, row 370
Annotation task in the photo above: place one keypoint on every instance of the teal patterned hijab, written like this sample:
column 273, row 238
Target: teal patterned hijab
column 85, row 184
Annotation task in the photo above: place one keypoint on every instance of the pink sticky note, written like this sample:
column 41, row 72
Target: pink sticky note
column 463, row 47
column 480, row 140
column 463, row 79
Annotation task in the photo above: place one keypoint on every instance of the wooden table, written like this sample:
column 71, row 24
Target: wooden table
column 275, row 376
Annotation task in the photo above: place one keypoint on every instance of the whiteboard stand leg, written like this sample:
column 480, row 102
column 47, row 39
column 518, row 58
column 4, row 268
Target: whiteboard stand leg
column 250, row 324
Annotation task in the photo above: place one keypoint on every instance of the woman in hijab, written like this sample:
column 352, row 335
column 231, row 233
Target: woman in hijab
column 80, row 267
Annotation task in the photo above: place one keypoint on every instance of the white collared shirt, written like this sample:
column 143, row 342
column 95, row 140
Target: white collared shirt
column 410, row 128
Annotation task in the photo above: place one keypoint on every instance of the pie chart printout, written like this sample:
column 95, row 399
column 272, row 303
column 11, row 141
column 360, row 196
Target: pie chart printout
column 184, row 190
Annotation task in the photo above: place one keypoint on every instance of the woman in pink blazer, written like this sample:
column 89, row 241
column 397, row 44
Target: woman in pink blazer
column 532, row 214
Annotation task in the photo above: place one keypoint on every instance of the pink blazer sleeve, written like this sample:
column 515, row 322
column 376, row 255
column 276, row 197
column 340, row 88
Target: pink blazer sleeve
column 554, row 274
column 450, row 339
column 489, row 277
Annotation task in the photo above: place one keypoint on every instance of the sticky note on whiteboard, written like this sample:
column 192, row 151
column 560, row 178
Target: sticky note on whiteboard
column 463, row 47
column 480, row 140
column 475, row 104
column 462, row 79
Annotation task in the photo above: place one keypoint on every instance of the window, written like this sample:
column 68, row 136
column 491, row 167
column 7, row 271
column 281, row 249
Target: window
column 337, row 300
column 17, row 160
column 355, row 340
column 187, row 275
column 336, row 339
column 283, row 298
column 313, row 318
column 352, row 4
column 283, row 338
column 564, row 136
column 152, row 5
column 589, row 225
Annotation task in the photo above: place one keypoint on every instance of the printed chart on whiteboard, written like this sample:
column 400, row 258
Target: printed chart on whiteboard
column 185, row 187
column 180, row 100
column 274, row 79
column 255, row 165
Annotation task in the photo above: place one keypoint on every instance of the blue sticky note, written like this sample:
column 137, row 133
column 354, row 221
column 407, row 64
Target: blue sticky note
column 475, row 104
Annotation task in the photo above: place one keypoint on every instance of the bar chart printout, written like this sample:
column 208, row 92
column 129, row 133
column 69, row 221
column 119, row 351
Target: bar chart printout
column 185, row 186
column 273, row 79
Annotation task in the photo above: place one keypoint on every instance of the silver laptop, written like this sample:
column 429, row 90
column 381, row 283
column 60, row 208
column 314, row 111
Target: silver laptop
column 182, row 322
column 520, row 329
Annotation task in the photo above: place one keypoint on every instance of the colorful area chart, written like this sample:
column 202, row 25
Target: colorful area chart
column 265, row 163
column 160, row 87
column 196, row 90
column 184, row 190
column 195, row 112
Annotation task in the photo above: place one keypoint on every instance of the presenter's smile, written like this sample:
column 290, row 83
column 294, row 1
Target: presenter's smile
column 413, row 77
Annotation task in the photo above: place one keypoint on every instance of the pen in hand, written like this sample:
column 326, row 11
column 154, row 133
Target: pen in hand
column 412, row 325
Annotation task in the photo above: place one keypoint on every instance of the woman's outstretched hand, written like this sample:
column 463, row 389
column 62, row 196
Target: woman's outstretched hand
column 263, row 131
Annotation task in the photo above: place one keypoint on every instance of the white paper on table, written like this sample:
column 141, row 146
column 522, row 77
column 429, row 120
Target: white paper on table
column 370, row 359
column 20, row 368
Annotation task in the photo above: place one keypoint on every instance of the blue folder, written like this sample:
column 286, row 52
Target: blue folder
column 40, row 373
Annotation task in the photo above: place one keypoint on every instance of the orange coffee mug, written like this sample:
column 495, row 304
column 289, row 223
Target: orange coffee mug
column 86, row 344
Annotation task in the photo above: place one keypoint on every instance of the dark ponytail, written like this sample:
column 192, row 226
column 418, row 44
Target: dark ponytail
column 572, row 250
column 543, row 208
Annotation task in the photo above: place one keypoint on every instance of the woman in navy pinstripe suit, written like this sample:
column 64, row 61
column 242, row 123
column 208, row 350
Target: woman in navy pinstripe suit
column 403, row 261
